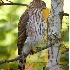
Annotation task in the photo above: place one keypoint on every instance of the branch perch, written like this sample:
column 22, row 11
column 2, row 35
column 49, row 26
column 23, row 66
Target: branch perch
column 20, row 56
column 20, row 4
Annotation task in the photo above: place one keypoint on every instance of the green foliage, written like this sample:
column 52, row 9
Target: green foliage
column 8, row 35
column 64, row 60
column 9, row 17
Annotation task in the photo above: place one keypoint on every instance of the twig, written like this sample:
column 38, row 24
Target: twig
column 15, row 59
column 65, row 51
column 1, row 1
column 14, row 4
column 63, row 14
column 20, row 56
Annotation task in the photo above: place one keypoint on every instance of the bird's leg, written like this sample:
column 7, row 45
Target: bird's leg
column 25, row 50
column 32, row 51
column 38, row 48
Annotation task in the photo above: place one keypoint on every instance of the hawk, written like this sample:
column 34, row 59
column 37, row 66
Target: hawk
column 31, row 28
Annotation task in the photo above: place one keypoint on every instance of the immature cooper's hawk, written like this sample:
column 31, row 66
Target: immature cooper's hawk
column 31, row 28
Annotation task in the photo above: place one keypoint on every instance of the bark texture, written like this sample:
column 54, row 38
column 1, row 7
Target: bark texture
column 54, row 35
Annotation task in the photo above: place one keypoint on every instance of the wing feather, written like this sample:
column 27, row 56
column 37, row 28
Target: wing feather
column 22, row 31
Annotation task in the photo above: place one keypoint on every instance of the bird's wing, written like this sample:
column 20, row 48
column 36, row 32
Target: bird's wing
column 22, row 31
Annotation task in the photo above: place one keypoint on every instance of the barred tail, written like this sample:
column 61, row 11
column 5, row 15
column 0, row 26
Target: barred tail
column 21, row 65
column 22, row 61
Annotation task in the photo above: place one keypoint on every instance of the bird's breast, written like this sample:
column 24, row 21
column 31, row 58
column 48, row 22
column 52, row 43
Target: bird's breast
column 36, row 28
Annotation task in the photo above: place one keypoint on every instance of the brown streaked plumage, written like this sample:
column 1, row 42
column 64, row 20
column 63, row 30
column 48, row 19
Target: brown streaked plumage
column 27, row 29
column 22, row 36
column 22, row 31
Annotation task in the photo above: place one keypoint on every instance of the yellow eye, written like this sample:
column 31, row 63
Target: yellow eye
column 45, row 13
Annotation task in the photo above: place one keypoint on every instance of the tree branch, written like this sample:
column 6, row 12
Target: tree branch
column 65, row 51
column 14, row 4
column 63, row 14
column 11, row 60
column 38, row 50
column 20, row 56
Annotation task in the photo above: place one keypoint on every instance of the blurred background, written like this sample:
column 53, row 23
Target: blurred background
column 9, row 17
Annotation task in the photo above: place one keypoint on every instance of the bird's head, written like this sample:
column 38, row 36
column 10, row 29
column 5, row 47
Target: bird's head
column 42, row 6
column 38, row 4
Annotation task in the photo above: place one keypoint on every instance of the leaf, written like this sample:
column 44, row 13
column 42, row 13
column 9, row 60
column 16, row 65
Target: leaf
column 40, row 68
column 3, row 20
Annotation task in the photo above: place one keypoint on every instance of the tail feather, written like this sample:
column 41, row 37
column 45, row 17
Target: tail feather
column 21, row 65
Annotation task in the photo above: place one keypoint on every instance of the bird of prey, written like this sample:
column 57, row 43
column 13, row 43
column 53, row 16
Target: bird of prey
column 31, row 28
